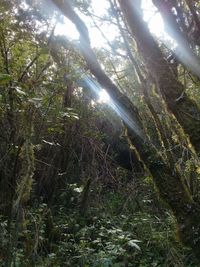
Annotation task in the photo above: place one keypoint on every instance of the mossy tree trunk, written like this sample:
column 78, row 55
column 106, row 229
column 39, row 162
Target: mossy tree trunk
column 185, row 109
column 168, row 181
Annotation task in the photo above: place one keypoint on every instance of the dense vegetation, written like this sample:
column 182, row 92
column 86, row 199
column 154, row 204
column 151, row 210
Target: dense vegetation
column 89, row 183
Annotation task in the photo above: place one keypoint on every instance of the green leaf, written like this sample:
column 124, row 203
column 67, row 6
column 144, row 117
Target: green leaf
column 4, row 78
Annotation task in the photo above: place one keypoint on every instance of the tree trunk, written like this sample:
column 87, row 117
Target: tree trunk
column 185, row 109
column 169, row 183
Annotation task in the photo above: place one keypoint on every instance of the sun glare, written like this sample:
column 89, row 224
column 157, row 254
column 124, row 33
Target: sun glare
column 103, row 96
column 153, row 18
column 67, row 29
column 100, row 7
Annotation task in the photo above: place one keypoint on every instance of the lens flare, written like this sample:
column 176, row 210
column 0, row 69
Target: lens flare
column 96, row 88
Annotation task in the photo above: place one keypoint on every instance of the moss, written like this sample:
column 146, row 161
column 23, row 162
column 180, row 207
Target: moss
column 173, row 191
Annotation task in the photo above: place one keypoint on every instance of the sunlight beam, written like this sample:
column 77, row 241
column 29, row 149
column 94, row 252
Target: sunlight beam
column 172, row 40
column 96, row 88
column 67, row 29
column 103, row 97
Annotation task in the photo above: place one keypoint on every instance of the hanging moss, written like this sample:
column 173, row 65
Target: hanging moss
column 25, row 181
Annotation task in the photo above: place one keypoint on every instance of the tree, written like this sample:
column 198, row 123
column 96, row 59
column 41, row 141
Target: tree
column 168, row 182
column 59, row 146
column 185, row 110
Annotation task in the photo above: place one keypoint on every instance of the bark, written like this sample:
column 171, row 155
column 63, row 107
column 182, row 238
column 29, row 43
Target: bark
column 168, row 181
column 122, row 104
column 185, row 109
column 184, row 51
column 191, row 6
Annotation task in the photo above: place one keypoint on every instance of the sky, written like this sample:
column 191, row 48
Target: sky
column 110, row 31
column 100, row 7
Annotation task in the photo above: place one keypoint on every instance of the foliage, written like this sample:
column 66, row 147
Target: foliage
column 72, row 192
column 59, row 239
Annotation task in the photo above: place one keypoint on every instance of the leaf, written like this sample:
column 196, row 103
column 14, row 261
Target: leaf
column 50, row 143
column 65, row 114
column 19, row 91
column 36, row 101
column 4, row 78
column 69, row 115
column 78, row 189
column 198, row 170
column 132, row 243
